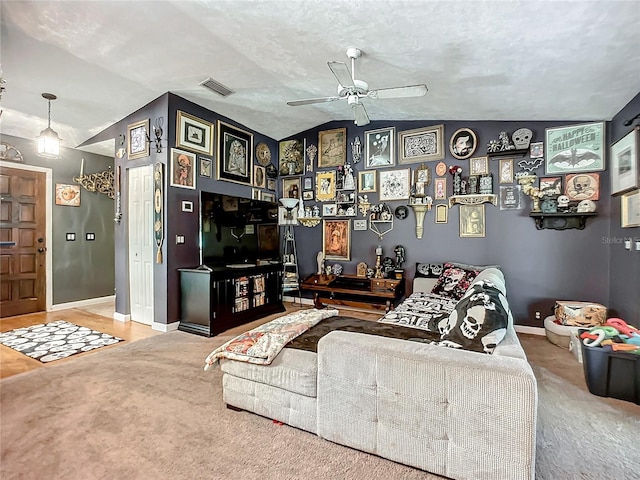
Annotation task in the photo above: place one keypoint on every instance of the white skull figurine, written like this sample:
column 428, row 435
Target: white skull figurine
column 586, row 206
column 563, row 201
column 522, row 137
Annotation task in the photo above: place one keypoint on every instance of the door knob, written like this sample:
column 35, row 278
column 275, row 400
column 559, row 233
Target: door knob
column 41, row 249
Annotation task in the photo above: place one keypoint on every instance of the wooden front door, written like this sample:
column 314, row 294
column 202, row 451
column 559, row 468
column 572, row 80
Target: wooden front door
column 23, row 250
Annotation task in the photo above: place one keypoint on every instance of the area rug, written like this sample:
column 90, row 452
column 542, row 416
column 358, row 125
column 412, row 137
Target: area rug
column 55, row 340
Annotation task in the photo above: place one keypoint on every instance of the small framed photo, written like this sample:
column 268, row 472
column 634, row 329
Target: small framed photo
column 360, row 224
column 307, row 195
column 287, row 217
column 194, row 134
column 630, row 209
column 325, row 186
column 332, row 147
column 187, row 206
column 551, row 185
column 291, row 187
column 183, row 171
column 308, row 183
column 268, row 197
column 536, row 150
column 422, row 174
column 336, row 239
column 329, row 210
column 394, row 185
column 421, row 144
column 463, row 143
column 625, row 168
column 440, row 188
column 574, row 148
column 138, row 140
column 506, row 170
column 235, row 154
column 271, row 184
column 255, row 194
column 380, row 147
column 205, row 168
column 367, row 181
column 510, row 197
column 582, row 186
column 472, row 220
column 259, row 176
column 291, row 158
column 442, row 213
column 67, row 195
column 478, row 165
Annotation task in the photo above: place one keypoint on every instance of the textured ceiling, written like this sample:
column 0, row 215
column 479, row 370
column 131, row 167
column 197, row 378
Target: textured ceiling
column 481, row 60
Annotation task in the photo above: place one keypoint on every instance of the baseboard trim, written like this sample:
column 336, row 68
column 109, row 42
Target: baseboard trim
column 165, row 327
column 82, row 303
column 304, row 301
column 122, row 317
column 530, row 330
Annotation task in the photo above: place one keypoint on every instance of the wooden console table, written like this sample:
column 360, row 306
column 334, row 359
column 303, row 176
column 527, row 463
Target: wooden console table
column 351, row 290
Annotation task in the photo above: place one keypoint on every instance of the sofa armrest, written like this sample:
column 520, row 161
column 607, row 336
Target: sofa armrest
column 455, row 413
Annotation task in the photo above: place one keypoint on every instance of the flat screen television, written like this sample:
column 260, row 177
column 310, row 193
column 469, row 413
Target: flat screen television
column 236, row 230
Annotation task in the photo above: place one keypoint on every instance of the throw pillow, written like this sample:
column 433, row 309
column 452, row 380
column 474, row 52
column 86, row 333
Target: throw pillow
column 454, row 281
column 428, row 270
column 479, row 321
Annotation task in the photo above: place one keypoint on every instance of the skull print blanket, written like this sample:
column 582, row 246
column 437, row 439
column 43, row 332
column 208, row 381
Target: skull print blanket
column 421, row 310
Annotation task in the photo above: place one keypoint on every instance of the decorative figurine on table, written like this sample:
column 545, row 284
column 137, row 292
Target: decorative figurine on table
column 399, row 271
column 320, row 260
column 378, row 270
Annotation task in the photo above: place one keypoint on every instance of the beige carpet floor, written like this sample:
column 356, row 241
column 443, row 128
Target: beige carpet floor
column 147, row 409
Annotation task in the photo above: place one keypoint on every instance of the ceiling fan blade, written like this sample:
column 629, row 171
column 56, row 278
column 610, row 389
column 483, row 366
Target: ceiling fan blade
column 399, row 92
column 342, row 73
column 310, row 101
column 361, row 117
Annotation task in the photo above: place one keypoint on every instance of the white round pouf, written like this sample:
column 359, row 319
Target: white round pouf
column 559, row 335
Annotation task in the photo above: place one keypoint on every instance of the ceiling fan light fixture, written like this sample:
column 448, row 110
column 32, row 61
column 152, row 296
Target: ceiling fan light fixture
column 48, row 140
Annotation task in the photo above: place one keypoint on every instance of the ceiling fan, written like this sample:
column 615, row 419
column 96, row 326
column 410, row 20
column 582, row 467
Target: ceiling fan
column 353, row 90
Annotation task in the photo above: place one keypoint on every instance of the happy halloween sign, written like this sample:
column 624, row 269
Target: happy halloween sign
column 575, row 148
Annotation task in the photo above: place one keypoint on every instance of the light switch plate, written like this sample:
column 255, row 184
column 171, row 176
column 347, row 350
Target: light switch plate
column 71, row 237
column 90, row 237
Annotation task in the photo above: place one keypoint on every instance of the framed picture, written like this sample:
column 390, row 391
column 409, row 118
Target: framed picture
column 336, row 239
column 367, row 181
column 463, row 143
column 307, row 195
column 183, row 171
column 506, row 170
column 422, row 175
column 268, row 238
column 291, row 157
column 536, row 150
column 551, row 185
column 235, row 154
column 268, row 197
column 67, row 195
column 442, row 213
column 582, row 186
column 332, row 147
column 379, row 148
column 259, row 176
column 440, row 188
column 630, row 209
column 138, row 140
column 308, row 183
column 194, row 134
column 205, row 168
column 329, row 210
column 421, row 144
column 625, row 171
column 255, row 194
column 271, row 184
column 478, row 166
column 574, row 148
column 325, row 186
column 510, row 198
column 394, row 184
column 287, row 218
column 472, row 220
column 291, row 187
column 360, row 224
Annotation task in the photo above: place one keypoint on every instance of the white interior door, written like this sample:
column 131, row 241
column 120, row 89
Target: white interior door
column 141, row 244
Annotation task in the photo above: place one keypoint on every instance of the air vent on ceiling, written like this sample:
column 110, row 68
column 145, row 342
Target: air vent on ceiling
column 216, row 87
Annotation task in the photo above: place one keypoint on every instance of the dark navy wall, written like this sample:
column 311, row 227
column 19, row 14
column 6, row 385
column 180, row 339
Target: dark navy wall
column 624, row 277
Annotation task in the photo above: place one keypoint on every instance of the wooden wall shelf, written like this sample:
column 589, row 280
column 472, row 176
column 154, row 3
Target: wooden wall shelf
column 521, row 152
column 561, row 221
column 473, row 199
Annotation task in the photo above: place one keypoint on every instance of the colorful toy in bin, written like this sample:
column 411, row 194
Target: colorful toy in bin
column 614, row 335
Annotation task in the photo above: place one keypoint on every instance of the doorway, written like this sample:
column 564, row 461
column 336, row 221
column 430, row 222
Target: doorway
column 141, row 244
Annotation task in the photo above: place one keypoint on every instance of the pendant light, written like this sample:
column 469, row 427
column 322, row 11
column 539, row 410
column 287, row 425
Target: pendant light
column 48, row 140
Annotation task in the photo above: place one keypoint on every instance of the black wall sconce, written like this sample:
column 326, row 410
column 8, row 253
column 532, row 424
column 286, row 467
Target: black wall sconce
column 629, row 122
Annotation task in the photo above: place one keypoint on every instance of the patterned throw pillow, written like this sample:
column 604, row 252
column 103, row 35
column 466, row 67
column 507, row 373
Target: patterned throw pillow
column 428, row 270
column 479, row 321
column 454, row 281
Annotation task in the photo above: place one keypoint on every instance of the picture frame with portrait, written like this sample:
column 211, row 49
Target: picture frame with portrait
column 478, row 166
column 259, row 176
column 235, row 154
column 440, row 188
column 332, row 147
column 421, row 144
column 326, row 186
column 336, row 239
column 394, row 184
column 367, row 181
column 380, row 147
column 291, row 187
column 472, row 221
column 536, row 149
column 422, row 175
column 205, row 168
column 194, row 134
column 463, row 143
column 625, row 163
column 183, row 169
column 138, row 140
column 506, row 170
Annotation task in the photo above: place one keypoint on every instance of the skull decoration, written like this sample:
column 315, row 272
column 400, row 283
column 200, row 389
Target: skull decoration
column 436, row 268
column 586, row 206
column 581, row 183
column 451, row 280
column 522, row 137
column 563, row 201
column 472, row 321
